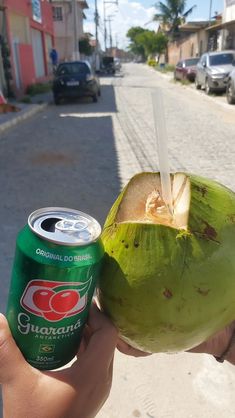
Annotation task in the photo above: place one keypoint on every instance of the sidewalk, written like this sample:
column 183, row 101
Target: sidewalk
column 38, row 103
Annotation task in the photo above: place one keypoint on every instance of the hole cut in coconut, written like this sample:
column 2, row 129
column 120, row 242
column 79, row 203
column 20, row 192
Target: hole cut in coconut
column 142, row 201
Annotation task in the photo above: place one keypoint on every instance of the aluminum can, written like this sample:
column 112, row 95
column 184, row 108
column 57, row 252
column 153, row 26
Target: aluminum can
column 57, row 263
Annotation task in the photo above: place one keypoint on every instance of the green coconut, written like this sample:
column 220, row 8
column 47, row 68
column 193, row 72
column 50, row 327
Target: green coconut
column 168, row 280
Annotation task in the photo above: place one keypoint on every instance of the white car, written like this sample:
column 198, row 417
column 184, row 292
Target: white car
column 230, row 91
column 213, row 70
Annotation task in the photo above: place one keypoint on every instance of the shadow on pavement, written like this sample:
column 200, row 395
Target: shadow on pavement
column 106, row 102
column 56, row 161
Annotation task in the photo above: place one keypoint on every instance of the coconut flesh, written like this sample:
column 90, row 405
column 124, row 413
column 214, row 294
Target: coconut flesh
column 168, row 279
column 143, row 203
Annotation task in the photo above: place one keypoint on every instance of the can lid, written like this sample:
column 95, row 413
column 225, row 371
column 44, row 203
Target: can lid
column 64, row 226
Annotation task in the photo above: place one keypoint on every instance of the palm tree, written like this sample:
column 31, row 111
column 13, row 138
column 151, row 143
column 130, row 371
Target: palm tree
column 172, row 14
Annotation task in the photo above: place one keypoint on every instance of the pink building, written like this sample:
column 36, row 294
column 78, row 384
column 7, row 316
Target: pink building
column 30, row 37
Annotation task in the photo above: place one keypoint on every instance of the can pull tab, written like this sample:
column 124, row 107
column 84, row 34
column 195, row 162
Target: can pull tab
column 71, row 226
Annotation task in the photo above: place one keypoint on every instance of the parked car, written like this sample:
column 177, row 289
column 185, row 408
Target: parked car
column 186, row 69
column 230, row 92
column 213, row 70
column 75, row 79
column 107, row 65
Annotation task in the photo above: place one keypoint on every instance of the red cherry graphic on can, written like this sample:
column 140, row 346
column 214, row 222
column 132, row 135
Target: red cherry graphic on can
column 53, row 316
column 64, row 301
column 41, row 299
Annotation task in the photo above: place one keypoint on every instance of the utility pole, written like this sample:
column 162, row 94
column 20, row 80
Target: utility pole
column 116, row 37
column 109, row 20
column 105, row 30
column 105, row 20
column 210, row 9
column 96, row 22
column 97, row 58
column 76, row 54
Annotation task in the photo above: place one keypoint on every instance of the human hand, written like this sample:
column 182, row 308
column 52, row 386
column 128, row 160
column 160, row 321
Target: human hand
column 127, row 349
column 217, row 344
column 76, row 392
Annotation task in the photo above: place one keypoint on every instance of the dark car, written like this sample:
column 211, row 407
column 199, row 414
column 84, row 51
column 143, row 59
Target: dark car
column 75, row 79
column 186, row 69
column 230, row 92
column 213, row 70
column 108, row 65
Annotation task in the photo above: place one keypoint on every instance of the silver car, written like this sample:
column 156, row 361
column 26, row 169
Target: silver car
column 230, row 92
column 213, row 70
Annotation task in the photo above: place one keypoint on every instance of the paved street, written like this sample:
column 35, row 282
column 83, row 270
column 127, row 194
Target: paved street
column 80, row 155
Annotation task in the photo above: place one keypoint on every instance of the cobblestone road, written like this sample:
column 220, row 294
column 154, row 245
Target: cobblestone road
column 80, row 155
column 201, row 134
column 201, row 129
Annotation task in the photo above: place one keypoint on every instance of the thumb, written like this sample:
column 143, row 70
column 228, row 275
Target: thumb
column 102, row 340
column 12, row 361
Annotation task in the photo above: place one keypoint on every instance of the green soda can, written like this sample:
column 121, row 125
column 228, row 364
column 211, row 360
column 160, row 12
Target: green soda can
column 57, row 263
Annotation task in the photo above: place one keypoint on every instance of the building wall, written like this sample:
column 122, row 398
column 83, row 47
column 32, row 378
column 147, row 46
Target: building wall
column 192, row 45
column 229, row 11
column 65, row 47
column 228, row 34
column 64, row 29
column 25, row 54
column 19, row 27
column 22, row 28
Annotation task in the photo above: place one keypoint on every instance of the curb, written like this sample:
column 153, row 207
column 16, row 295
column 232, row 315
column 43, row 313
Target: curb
column 25, row 115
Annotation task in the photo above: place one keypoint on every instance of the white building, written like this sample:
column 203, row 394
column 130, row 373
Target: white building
column 228, row 25
column 68, row 27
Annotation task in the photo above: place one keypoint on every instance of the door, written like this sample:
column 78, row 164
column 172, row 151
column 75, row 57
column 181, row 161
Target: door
column 16, row 60
column 48, row 50
column 38, row 53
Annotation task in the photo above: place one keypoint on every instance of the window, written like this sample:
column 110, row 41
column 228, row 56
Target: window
column 221, row 59
column 203, row 60
column 57, row 13
column 179, row 64
column 73, row 68
column 191, row 62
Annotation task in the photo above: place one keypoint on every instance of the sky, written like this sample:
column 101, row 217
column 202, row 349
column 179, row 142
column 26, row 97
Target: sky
column 131, row 13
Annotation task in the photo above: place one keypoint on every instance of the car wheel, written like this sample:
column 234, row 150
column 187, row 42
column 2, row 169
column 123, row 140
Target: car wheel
column 230, row 93
column 95, row 98
column 207, row 87
column 197, row 85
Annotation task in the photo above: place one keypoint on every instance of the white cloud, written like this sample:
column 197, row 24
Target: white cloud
column 127, row 14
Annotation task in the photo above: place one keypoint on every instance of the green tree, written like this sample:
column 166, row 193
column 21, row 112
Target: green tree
column 153, row 43
column 172, row 13
column 85, row 47
column 135, row 47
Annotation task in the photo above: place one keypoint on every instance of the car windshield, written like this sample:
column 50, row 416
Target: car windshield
column 73, row 68
column 191, row 62
column 222, row 59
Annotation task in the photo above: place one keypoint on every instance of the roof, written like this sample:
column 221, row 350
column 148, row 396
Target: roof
column 194, row 26
column 221, row 25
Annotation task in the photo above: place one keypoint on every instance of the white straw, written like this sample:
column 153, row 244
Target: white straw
column 161, row 136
